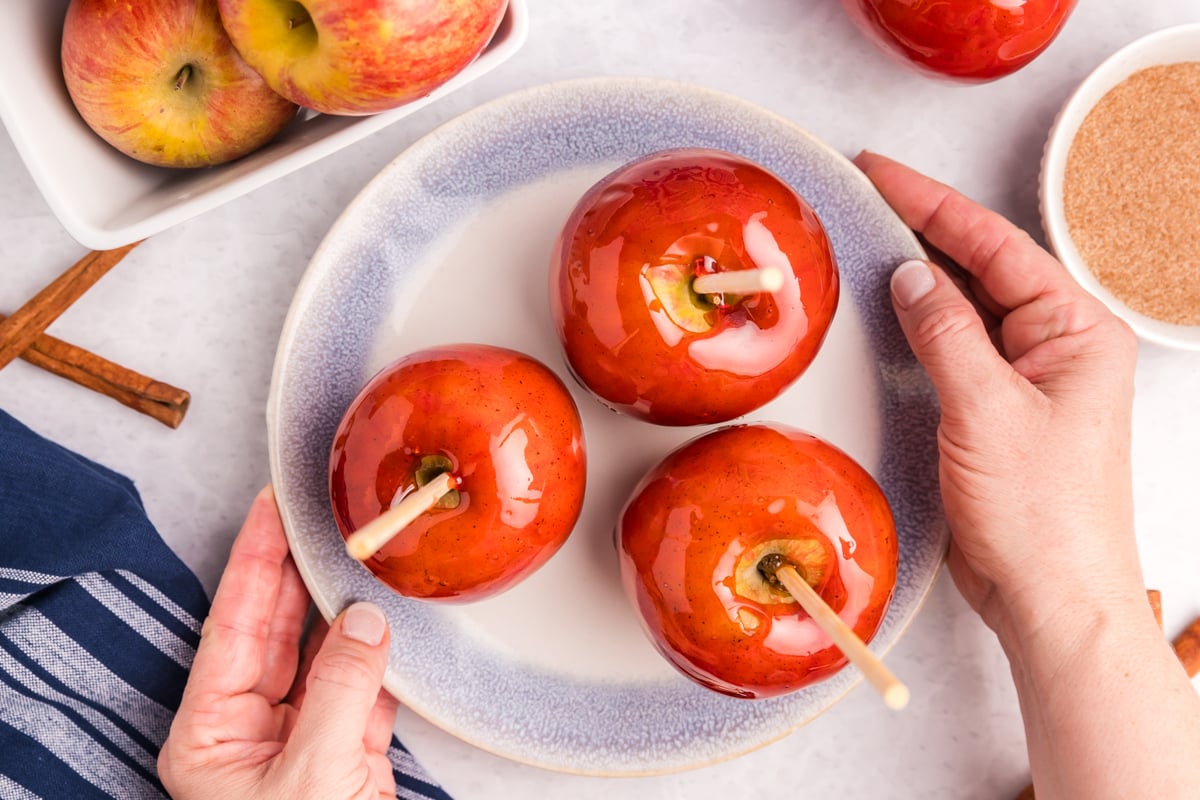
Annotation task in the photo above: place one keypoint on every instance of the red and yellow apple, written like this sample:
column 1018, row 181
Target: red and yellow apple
column 504, row 426
column 965, row 40
column 359, row 56
column 635, row 330
column 692, row 541
column 160, row 81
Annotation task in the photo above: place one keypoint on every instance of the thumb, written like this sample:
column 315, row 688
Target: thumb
column 948, row 337
column 343, row 683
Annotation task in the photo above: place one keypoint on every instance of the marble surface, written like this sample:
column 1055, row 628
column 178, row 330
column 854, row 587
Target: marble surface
column 201, row 306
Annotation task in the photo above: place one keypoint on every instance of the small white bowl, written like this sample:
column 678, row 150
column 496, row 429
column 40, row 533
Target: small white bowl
column 105, row 199
column 1169, row 46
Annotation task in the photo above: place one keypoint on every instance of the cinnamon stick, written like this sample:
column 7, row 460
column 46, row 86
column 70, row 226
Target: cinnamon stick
column 1187, row 648
column 30, row 320
column 158, row 400
column 1155, row 598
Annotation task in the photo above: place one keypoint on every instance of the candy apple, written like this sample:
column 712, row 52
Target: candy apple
column 507, row 430
column 626, row 296
column 160, row 81
column 703, row 532
column 965, row 40
column 360, row 56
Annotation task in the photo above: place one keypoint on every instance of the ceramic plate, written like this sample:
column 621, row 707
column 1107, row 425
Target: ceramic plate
column 451, row 243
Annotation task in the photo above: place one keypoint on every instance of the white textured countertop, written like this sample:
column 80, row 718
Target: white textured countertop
column 201, row 306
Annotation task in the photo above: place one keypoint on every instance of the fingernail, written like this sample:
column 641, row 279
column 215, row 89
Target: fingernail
column 911, row 281
column 365, row 623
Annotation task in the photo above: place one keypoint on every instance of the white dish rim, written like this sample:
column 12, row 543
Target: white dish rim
column 1147, row 51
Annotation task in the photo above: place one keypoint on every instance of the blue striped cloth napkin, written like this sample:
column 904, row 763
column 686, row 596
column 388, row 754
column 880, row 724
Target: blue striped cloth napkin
column 99, row 622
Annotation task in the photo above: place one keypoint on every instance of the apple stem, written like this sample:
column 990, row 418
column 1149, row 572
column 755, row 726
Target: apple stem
column 367, row 540
column 296, row 22
column 181, row 78
column 741, row 281
column 895, row 694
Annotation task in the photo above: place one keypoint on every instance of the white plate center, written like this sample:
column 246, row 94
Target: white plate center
column 491, row 269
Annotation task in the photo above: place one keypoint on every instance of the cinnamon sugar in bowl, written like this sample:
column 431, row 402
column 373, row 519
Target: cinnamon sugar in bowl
column 1120, row 185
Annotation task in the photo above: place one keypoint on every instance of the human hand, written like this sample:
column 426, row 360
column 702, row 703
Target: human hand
column 1035, row 382
column 257, row 720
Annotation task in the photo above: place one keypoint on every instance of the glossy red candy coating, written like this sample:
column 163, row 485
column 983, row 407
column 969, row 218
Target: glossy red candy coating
column 965, row 40
column 692, row 517
column 690, row 207
column 514, row 438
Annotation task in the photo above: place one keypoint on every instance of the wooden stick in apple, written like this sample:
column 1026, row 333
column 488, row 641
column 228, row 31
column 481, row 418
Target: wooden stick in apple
column 741, row 281
column 366, row 541
column 895, row 694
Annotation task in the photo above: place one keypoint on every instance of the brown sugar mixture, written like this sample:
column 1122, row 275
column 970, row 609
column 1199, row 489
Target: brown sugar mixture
column 1132, row 192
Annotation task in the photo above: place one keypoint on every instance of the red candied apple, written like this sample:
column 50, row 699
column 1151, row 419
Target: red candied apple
column 505, row 431
column 632, row 287
column 965, row 40
column 702, row 537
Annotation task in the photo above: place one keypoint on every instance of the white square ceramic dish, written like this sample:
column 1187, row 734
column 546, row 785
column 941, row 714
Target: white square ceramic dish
column 105, row 199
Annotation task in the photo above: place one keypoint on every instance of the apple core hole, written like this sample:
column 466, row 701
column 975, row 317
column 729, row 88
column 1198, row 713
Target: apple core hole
column 301, row 30
column 770, row 564
column 429, row 468
column 704, row 265
column 706, row 302
column 298, row 16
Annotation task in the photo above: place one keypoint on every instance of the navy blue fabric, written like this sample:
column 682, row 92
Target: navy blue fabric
column 99, row 622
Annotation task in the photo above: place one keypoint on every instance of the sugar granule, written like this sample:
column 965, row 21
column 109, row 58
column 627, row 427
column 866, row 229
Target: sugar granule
column 1132, row 192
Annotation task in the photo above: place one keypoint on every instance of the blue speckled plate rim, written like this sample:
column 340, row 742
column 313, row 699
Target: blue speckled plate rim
column 901, row 381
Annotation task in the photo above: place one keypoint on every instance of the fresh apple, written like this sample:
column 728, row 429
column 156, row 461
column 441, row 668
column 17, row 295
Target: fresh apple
column 696, row 537
column 160, row 81
column 636, row 331
column 360, row 56
column 506, row 428
column 965, row 40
